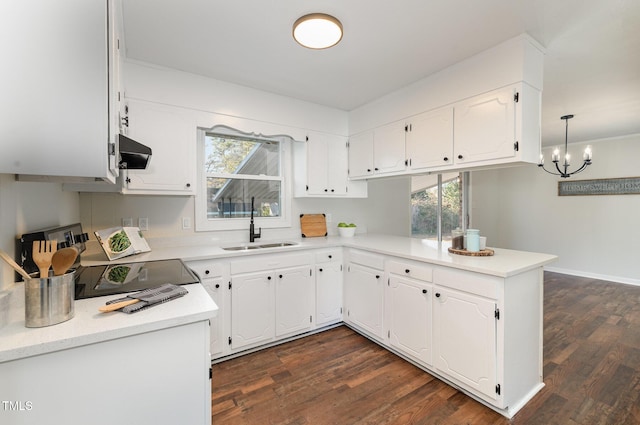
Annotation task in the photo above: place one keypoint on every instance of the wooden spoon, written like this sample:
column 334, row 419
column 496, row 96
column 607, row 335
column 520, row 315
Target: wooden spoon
column 63, row 259
column 15, row 265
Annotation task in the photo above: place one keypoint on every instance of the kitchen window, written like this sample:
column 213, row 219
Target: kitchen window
column 438, row 205
column 234, row 169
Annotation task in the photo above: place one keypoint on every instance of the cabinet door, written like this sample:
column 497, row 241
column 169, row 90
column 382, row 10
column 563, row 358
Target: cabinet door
column 465, row 339
column 326, row 165
column 214, row 288
column 294, row 307
column 361, row 155
column 252, row 309
column 409, row 314
column 55, row 104
column 484, row 127
column 171, row 134
column 328, row 293
column 317, row 164
column 430, row 139
column 363, row 298
column 389, row 148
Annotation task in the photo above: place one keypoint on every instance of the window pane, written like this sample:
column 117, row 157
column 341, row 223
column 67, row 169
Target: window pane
column 231, row 198
column 231, row 155
column 424, row 210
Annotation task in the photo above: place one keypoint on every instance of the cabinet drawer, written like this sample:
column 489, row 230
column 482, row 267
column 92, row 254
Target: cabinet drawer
column 410, row 269
column 329, row 256
column 207, row 269
column 367, row 259
column 270, row 262
column 474, row 283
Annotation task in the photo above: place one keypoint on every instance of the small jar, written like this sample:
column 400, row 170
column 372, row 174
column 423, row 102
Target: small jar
column 457, row 239
column 473, row 240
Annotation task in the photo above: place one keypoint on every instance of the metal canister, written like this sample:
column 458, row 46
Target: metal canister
column 50, row 300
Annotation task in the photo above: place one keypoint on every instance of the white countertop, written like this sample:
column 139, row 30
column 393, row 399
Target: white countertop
column 89, row 326
column 503, row 263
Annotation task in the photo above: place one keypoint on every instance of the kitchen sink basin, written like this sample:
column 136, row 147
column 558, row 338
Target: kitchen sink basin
column 261, row 246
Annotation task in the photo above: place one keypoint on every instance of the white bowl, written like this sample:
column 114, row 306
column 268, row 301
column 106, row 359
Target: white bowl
column 346, row 232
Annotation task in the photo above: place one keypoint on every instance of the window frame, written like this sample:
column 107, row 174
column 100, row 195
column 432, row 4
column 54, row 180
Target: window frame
column 204, row 223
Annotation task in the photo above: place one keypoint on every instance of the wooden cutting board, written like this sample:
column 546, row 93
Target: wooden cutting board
column 313, row 225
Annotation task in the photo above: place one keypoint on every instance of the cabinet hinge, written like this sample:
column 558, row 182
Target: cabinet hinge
column 307, row 187
column 306, row 139
column 497, row 314
column 229, row 284
column 210, row 373
column 516, row 97
column 516, row 146
column 310, row 319
column 310, row 272
column 229, row 340
column 340, row 267
column 340, row 310
column 388, row 334
column 112, row 149
column 498, row 389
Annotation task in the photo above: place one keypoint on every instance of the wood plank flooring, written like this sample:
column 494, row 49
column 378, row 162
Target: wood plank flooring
column 591, row 372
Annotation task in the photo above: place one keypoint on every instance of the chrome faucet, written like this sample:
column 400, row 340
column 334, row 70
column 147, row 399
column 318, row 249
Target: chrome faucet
column 252, row 235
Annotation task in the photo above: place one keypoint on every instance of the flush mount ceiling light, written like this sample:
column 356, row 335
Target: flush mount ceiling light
column 317, row 31
column 555, row 157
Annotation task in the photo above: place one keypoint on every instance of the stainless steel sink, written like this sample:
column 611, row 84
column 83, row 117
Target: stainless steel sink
column 261, row 246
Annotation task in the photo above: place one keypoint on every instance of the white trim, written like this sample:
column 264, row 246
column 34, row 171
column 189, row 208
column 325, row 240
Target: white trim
column 616, row 279
column 203, row 224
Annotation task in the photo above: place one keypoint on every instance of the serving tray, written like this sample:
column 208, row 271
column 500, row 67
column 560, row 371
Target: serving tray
column 483, row 253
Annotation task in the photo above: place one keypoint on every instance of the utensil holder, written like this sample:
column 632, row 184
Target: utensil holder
column 50, row 300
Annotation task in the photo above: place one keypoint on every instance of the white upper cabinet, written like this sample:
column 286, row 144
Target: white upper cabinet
column 429, row 141
column 57, row 73
column 377, row 152
column 485, row 127
column 389, row 148
column 321, row 167
column 361, row 155
column 171, row 133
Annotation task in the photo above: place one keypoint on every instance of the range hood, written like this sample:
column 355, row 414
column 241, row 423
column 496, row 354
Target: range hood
column 133, row 155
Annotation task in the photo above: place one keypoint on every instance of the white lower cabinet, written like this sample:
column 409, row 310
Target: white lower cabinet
column 294, row 307
column 252, row 309
column 214, row 276
column 271, row 298
column 364, row 292
column 409, row 316
column 328, row 272
column 465, row 339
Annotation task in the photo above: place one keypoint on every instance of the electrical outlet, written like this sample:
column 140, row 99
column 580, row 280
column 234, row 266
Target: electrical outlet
column 186, row 223
column 127, row 222
column 143, row 223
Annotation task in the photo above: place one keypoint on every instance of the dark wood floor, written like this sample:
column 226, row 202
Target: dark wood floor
column 591, row 372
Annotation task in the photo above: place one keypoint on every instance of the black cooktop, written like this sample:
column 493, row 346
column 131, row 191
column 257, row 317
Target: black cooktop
column 110, row 279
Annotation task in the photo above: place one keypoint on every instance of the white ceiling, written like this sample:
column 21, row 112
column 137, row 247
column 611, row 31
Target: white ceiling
column 592, row 61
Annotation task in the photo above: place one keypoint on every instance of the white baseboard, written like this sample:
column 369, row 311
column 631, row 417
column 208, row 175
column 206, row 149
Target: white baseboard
column 618, row 279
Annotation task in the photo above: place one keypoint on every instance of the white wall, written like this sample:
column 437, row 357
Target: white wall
column 28, row 206
column 385, row 211
column 594, row 236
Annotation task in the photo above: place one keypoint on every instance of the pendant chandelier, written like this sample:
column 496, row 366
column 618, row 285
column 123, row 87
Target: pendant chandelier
column 555, row 158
